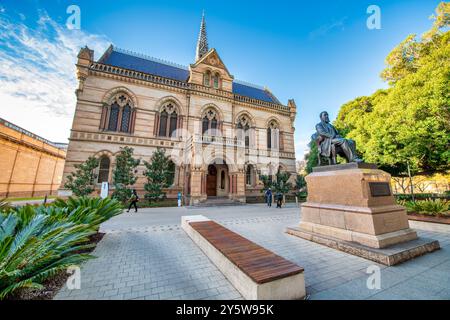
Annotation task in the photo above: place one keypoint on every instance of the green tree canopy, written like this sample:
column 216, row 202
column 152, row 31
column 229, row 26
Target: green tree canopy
column 280, row 184
column 82, row 181
column 410, row 121
column 124, row 176
column 159, row 173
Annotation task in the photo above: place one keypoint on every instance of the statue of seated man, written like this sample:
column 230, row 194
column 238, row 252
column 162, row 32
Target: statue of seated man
column 330, row 136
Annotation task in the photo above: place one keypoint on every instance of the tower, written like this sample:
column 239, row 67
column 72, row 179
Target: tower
column 202, row 42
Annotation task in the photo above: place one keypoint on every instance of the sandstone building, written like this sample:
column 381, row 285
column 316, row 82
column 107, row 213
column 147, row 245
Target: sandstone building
column 222, row 134
column 30, row 166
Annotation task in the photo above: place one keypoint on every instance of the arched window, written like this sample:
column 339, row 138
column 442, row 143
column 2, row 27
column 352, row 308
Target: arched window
column 113, row 117
column 163, row 124
column 171, row 176
column 168, row 120
column 118, row 114
column 273, row 135
column 207, row 79
column 205, row 124
column 126, row 118
column 210, row 122
column 216, row 81
column 214, row 124
column 103, row 171
column 173, row 123
column 243, row 128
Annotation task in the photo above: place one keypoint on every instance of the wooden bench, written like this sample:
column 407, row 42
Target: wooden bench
column 256, row 272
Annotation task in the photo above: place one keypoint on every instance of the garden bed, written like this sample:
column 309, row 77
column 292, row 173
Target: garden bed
column 428, row 218
column 55, row 283
column 156, row 204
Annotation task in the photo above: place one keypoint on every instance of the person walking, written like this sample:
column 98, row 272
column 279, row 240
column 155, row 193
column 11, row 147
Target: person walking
column 133, row 200
column 279, row 197
column 269, row 197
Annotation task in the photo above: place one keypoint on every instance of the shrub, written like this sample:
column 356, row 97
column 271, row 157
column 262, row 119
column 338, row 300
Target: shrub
column 34, row 249
column 36, row 242
column 422, row 196
column 82, row 181
column 86, row 210
column 124, row 174
column 159, row 173
column 4, row 205
column 437, row 207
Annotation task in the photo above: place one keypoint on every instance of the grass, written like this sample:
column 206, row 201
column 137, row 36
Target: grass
column 29, row 198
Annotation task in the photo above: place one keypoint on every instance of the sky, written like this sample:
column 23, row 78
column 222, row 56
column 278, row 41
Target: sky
column 319, row 53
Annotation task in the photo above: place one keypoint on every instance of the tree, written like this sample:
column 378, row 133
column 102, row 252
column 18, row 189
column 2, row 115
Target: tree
column 441, row 20
column 300, row 182
column 159, row 173
column 281, row 183
column 124, row 174
column 409, row 121
column 403, row 60
column 312, row 157
column 267, row 183
column 82, row 181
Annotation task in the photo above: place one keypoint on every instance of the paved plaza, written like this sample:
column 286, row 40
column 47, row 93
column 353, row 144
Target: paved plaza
column 148, row 256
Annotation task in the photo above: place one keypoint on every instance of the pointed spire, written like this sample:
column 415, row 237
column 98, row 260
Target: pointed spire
column 202, row 42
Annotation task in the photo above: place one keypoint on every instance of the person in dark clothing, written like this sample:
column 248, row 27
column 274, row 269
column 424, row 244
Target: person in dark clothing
column 269, row 197
column 133, row 200
column 279, row 197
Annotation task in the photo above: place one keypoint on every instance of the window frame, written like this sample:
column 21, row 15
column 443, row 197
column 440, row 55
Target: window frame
column 207, row 79
column 168, row 121
column 103, row 170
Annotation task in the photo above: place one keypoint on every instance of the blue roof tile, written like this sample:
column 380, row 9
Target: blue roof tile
column 252, row 92
column 131, row 62
column 149, row 65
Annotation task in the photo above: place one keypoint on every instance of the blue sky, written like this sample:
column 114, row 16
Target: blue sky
column 318, row 52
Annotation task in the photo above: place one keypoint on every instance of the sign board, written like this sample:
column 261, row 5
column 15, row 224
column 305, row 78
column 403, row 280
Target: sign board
column 105, row 190
column 64, row 193
column 379, row 189
column 179, row 199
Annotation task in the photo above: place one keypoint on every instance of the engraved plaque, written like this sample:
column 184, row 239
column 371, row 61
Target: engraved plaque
column 379, row 189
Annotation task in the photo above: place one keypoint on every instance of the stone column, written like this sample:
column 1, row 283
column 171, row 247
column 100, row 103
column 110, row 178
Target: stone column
column 240, row 186
column 197, row 186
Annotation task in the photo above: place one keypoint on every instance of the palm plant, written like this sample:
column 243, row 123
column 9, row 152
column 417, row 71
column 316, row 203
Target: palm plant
column 5, row 205
column 86, row 210
column 33, row 249
column 36, row 242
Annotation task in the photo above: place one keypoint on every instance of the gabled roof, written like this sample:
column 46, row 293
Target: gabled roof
column 138, row 62
column 212, row 53
column 133, row 61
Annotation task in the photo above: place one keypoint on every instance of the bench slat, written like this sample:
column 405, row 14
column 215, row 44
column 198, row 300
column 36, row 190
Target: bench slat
column 260, row 264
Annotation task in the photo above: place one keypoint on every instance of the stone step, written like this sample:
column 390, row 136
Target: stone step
column 218, row 202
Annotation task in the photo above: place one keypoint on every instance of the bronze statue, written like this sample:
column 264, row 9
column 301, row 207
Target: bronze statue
column 330, row 143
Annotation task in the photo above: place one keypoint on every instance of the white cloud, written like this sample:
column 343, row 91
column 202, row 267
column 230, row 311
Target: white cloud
column 38, row 74
column 326, row 28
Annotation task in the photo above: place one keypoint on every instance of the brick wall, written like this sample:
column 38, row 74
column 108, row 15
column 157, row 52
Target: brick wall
column 29, row 165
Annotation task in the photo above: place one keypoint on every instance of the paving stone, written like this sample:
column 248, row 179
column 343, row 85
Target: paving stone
column 141, row 258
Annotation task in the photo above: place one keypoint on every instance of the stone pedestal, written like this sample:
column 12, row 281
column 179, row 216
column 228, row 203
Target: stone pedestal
column 353, row 203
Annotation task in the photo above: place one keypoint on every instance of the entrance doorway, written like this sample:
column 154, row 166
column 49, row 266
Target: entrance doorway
column 211, row 181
